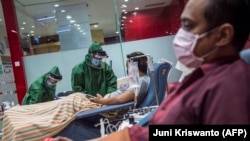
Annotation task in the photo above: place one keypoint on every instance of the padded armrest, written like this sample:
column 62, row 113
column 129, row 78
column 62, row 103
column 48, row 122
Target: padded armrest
column 108, row 108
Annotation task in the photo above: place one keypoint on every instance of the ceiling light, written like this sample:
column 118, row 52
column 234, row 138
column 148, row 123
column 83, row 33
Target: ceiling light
column 24, row 22
column 126, row 0
column 136, row 8
column 63, row 11
column 33, row 26
column 13, row 31
column 56, row 5
column 0, row 19
column 22, row 28
column 45, row 18
column 63, row 30
column 68, row 17
column 96, row 25
column 135, row 13
column 124, row 6
column 72, row 21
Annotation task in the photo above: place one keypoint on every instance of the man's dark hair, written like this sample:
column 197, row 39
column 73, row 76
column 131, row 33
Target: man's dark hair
column 235, row 12
column 142, row 61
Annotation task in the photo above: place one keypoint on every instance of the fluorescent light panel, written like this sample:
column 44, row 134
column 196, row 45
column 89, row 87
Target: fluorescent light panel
column 63, row 30
column 45, row 18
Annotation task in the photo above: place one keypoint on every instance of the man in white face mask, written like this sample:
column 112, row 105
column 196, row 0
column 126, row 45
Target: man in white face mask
column 184, row 45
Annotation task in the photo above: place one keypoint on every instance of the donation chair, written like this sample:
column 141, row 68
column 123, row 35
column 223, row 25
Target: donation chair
column 83, row 127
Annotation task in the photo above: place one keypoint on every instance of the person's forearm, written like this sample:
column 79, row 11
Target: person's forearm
column 109, row 101
column 122, row 98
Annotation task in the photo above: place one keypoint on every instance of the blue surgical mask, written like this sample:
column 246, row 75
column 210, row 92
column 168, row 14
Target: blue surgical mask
column 96, row 62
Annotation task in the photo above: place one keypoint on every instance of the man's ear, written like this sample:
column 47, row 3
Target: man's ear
column 225, row 35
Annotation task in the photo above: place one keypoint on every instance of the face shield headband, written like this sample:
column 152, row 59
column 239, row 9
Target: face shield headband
column 99, row 54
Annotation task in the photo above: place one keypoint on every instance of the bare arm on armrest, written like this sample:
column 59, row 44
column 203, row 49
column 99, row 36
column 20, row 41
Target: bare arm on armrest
column 122, row 98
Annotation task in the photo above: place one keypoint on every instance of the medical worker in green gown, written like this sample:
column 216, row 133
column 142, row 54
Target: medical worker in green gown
column 43, row 89
column 93, row 75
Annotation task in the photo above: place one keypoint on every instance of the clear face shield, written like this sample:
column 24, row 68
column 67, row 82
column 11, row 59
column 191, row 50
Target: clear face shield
column 133, row 75
column 100, row 55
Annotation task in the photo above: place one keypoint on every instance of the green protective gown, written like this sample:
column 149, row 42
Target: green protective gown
column 39, row 91
column 90, row 80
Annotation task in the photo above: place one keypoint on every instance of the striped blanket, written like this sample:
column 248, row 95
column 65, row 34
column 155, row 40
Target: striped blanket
column 38, row 121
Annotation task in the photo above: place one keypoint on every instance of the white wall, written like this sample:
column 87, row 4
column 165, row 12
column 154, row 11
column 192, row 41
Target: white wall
column 158, row 48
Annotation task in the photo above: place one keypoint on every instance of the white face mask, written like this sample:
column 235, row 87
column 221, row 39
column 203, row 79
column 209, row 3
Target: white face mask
column 184, row 44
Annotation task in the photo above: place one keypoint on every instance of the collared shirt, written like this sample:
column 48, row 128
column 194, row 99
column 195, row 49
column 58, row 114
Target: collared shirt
column 216, row 93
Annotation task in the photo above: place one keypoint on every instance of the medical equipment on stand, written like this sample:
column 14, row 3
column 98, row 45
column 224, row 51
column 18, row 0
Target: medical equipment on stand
column 129, row 119
column 135, row 116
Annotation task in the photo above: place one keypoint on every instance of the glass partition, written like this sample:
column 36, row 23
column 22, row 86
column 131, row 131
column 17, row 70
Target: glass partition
column 52, row 25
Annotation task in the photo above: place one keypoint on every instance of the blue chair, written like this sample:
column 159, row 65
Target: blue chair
column 83, row 126
column 161, row 72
